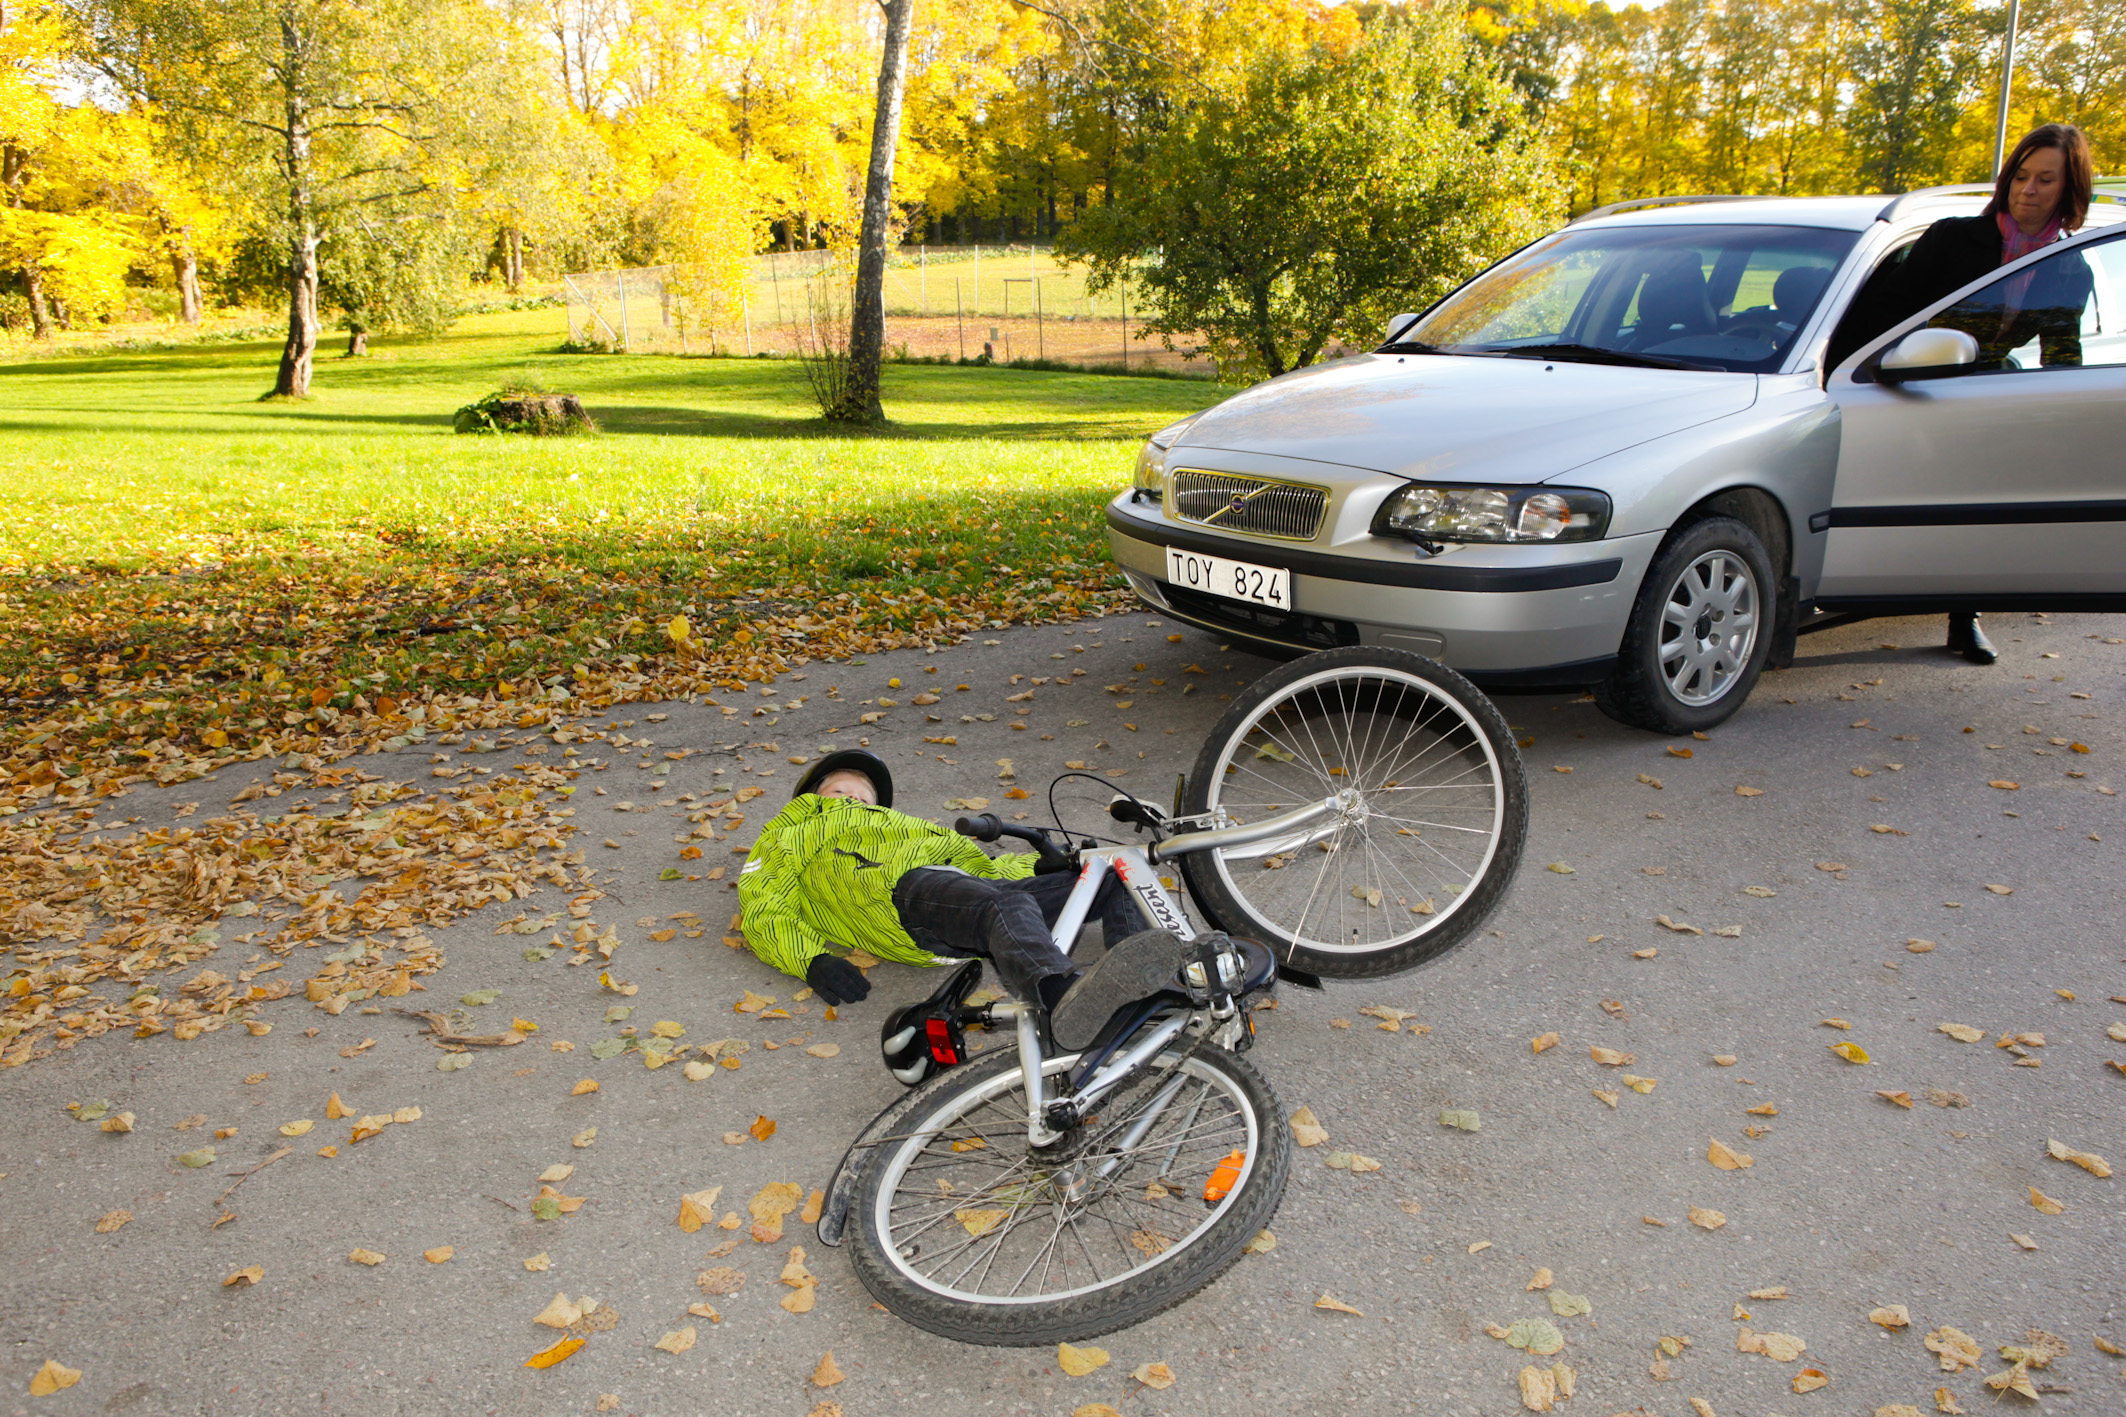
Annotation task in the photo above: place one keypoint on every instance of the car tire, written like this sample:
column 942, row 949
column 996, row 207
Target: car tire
column 1700, row 631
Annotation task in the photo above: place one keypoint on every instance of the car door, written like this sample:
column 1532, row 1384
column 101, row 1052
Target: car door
column 2003, row 484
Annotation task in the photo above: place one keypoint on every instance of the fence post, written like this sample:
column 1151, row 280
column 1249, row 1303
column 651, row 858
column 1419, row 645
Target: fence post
column 959, row 317
column 978, row 279
column 922, row 281
column 624, row 341
column 1040, row 334
column 746, row 307
column 1124, row 287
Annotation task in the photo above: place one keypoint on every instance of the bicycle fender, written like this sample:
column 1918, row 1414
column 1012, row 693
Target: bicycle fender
column 841, row 1189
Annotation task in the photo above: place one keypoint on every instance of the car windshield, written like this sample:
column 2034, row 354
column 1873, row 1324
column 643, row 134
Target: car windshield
column 1696, row 297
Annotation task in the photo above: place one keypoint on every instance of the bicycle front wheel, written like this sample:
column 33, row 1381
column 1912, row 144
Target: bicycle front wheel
column 960, row 1227
column 1434, row 816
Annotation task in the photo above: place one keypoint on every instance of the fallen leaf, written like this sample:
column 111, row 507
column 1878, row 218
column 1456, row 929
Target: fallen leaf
column 1648, row 953
column 1639, row 1084
column 2038, row 1349
column 1153, row 1375
column 368, row 1257
column 1463, row 1117
column 723, row 1279
column 547, row 1357
column 1945, row 1401
column 762, row 1128
column 584, row 1138
column 204, row 1156
column 1077, row 1362
column 827, row 1374
column 1677, row 926
column 2015, row 1380
column 539, row 1263
column 1920, row 947
column 1725, row 1060
column 1479, row 1245
column 2088, row 1160
column 1611, row 1058
column 1538, row 1389
column 112, row 1221
column 1542, row 1279
column 679, row 1340
column 2001, row 890
column 1747, row 791
column 1809, row 1379
column 2105, row 1345
column 1901, row 1098
column 2045, row 1204
column 1891, row 1316
column 1306, row 1129
column 1566, row 1305
column 1706, row 1219
column 1610, row 1098
column 696, row 1208
column 1262, row 1244
column 1777, row 1291
column 1962, row 1032
column 1835, row 1023
column 1851, row 1052
column 1538, row 1336
column 2023, row 1240
column 53, row 1376
column 1090, row 1409
column 1338, row 1305
column 824, row 1050
column 250, row 1274
column 440, row 1254
column 1726, row 1158
column 587, row 1085
column 336, row 1109
column 1702, row 1408
column 1546, row 1040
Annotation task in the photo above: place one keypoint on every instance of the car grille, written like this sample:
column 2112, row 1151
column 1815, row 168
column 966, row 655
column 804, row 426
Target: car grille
column 1288, row 511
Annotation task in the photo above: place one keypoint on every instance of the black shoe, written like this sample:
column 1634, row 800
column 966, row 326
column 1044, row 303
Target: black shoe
column 1968, row 640
column 1133, row 969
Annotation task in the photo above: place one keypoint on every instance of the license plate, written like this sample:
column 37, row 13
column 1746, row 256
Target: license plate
column 1235, row 580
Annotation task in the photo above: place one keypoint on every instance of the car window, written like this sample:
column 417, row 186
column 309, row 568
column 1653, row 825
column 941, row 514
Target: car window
column 1715, row 297
column 2044, row 315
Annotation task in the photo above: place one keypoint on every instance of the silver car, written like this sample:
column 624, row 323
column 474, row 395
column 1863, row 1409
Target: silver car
column 1645, row 452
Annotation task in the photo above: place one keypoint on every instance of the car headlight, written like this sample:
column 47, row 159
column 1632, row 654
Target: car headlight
column 1150, row 480
column 1517, row 514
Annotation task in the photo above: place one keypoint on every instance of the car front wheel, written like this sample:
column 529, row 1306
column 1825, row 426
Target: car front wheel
column 1699, row 631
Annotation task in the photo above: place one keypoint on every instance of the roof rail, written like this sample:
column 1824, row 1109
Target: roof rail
column 1932, row 194
column 1639, row 203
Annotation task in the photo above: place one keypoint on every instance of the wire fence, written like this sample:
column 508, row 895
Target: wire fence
column 954, row 302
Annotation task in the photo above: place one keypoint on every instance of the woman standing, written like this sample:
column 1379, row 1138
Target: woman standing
column 2042, row 193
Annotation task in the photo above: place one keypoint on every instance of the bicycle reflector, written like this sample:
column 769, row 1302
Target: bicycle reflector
column 1223, row 1176
column 948, row 1045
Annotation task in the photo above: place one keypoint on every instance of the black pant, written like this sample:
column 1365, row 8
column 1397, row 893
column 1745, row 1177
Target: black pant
column 1008, row 923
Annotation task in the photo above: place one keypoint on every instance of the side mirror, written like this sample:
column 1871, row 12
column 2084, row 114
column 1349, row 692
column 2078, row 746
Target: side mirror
column 1396, row 325
column 1928, row 354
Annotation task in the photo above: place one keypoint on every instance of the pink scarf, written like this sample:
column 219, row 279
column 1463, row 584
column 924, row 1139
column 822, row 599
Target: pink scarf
column 2015, row 246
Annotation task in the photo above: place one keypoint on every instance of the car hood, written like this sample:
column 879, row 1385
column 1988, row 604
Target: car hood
column 1451, row 418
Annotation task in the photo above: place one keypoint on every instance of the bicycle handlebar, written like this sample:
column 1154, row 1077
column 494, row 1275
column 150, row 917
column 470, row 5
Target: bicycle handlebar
column 989, row 826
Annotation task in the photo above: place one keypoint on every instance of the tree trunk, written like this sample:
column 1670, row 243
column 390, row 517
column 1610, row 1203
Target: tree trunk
column 867, row 316
column 357, row 341
column 513, row 259
column 40, row 312
column 184, row 264
column 293, row 380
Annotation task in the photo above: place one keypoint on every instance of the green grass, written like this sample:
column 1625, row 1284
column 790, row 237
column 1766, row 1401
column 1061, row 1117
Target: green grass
column 167, row 536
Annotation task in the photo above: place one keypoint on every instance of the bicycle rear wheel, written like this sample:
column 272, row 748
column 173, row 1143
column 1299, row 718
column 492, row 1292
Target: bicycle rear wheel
column 961, row 1228
column 1434, row 819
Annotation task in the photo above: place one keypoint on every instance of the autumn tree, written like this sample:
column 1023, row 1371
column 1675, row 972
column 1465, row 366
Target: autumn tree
column 1914, row 74
column 1322, row 193
column 326, row 113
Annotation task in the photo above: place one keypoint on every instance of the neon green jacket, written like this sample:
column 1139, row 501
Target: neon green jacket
column 823, row 871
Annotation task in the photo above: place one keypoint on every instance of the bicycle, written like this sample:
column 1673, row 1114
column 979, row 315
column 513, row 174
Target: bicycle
column 1022, row 1197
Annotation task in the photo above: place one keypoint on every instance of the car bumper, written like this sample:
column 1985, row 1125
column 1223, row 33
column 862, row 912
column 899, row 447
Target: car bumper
column 1534, row 614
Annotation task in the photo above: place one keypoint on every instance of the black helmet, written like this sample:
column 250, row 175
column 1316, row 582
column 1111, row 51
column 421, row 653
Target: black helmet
column 861, row 760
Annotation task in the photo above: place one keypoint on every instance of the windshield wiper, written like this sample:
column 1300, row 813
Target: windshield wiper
column 1592, row 354
column 1409, row 346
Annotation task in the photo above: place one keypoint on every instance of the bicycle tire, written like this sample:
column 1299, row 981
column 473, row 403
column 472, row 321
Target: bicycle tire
column 1164, row 1277
column 1355, row 682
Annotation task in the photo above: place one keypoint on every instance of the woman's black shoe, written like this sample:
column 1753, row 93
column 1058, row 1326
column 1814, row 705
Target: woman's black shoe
column 1968, row 640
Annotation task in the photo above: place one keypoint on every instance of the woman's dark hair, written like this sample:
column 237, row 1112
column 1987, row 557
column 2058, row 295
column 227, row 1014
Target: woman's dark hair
column 2080, row 176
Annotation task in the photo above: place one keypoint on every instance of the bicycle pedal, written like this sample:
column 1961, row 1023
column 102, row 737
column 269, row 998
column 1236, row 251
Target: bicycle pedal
column 920, row 1038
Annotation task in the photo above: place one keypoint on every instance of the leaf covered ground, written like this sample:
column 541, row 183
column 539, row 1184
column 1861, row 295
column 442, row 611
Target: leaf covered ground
column 190, row 578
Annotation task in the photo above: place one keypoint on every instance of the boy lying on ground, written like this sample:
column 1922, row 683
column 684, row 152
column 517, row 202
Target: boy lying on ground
column 839, row 867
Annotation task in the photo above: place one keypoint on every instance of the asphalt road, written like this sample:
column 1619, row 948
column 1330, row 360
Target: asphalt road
column 1852, row 1202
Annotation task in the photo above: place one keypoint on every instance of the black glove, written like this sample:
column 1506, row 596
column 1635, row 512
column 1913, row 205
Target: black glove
column 836, row 980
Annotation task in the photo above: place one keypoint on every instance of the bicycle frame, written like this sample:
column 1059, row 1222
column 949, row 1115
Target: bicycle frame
column 1135, row 870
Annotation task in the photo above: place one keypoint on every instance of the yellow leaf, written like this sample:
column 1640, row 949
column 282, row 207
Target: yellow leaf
column 665, row 1028
column 1836, row 1023
column 53, row 1376
column 539, row 1263
column 336, row 1109
column 2015, row 1380
column 1962, row 1032
column 584, row 1138
column 523, row 1025
column 1945, row 1401
column 556, row 1173
column 560, row 1313
column 1101, row 1409
column 1306, row 1129
column 368, row 1257
column 547, row 1357
column 1809, row 1379
column 1077, row 1362
column 250, row 1274
column 1539, row 1390
column 814, row 1203
column 587, row 1085
column 1609, row 1098
column 762, row 1128
column 800, row 1299
column 828, row 1373
column 1956, row 1349
column 1706, row 1219
column 1546, row 1040
column 677, row 1341
column 1611, row 1058
column 1153, row 1375
column 296, row 1129
column 1726, row 1158
column 439, row 1254
column 1899, row 1096
column 1851, row 1052
column 2088, row 1160
column 1542, row 1279
column 1337, row 1305
column 698, row 1208
column 2045, row 1204
column 774, row 1201
column 1747, row 791
column 1639, row 1084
